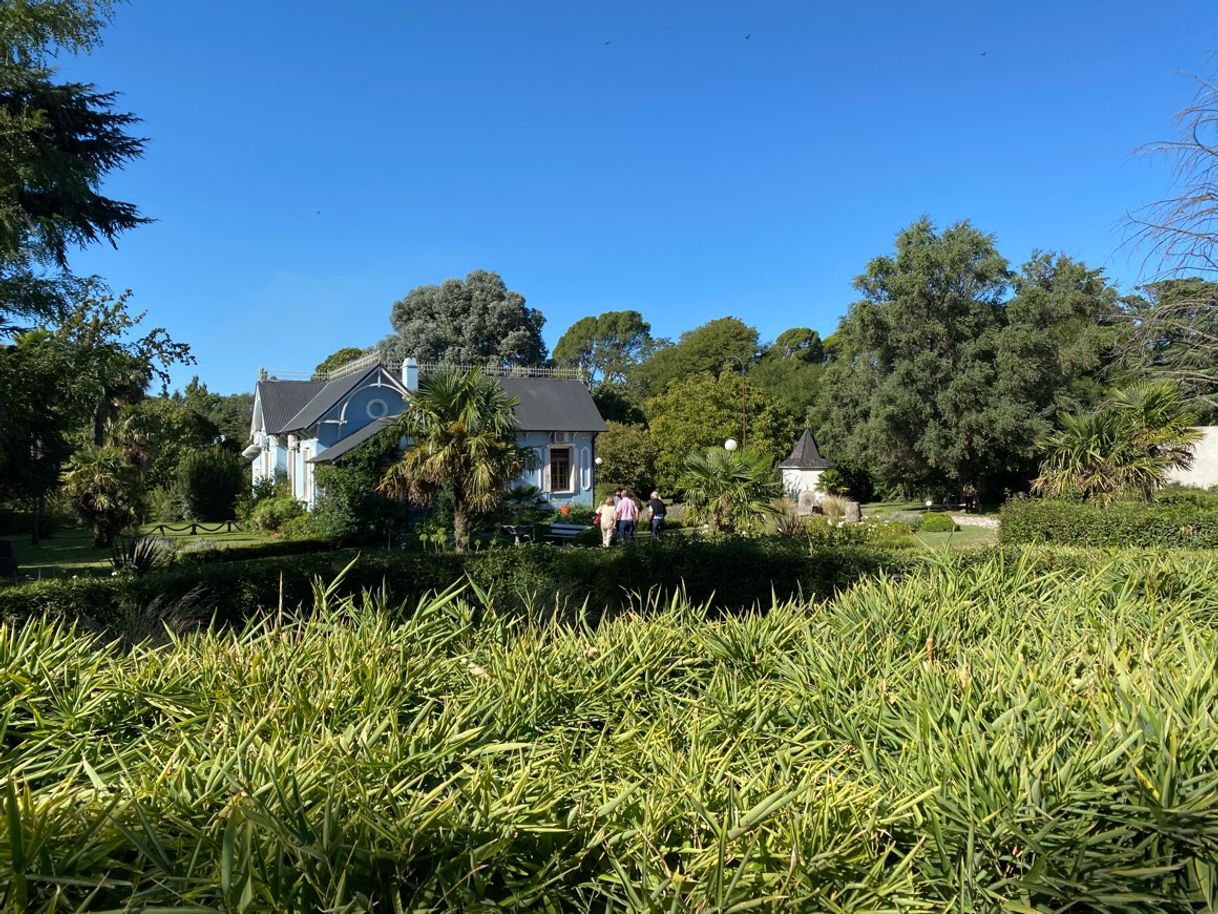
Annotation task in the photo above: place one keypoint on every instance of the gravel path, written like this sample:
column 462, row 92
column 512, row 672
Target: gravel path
column 972, row 520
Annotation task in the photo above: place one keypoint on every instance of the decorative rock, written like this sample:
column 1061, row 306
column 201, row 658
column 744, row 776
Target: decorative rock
column 854, row 513
column 807, row 504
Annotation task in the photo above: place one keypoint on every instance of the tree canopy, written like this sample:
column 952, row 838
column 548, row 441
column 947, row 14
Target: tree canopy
column 607, row 347
column 703, row 410
column 477, row 320
column 944, row 379
column 724, row 344
column 337, row 359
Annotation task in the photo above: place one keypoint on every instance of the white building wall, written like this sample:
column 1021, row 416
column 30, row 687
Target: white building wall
column 795, row 482
column 1204, row 471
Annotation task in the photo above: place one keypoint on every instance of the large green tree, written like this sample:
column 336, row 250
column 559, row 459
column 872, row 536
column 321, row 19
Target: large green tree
column 462, row 432
column 724, row 344
column 58, row 143
column 477, row 320
column 703, row 410
column 628, row 458
column 951, row 367
column 232, row 414
column 790, row 372
column 607, row 347
column 156, row 433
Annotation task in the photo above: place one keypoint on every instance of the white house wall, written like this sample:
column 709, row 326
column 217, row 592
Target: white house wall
column 796, row 481
column 1204, row 471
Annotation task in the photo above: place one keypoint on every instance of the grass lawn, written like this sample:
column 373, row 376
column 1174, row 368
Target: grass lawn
column 964, row 538
column 71, row 551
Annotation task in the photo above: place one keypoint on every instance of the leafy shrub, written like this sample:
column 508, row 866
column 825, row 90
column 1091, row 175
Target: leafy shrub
column 1179, row 525
column 208, row 483
column 938, row 523
column 348, row 506
column 1189, row 496
column 163, row 504
column 260, row 491
column 270, row 515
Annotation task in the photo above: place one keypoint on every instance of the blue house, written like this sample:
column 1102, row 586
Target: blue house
column 299, row 425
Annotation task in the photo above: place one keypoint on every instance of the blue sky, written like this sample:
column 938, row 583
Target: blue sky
column 311, row 162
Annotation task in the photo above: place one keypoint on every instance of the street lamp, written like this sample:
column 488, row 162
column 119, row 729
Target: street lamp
column 730, row 444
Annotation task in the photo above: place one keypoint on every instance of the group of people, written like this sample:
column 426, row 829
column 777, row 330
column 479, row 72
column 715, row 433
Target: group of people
column 619, row 516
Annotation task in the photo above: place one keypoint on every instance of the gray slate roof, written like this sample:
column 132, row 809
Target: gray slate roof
column 806, row 455
column 551, row 405
column 281, row 400
column 352, row 441
column 330, row 393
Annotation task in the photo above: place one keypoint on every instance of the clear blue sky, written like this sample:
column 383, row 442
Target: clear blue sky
column 310, row 162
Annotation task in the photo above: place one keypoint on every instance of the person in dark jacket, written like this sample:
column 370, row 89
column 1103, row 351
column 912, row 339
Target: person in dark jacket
column 657, row 511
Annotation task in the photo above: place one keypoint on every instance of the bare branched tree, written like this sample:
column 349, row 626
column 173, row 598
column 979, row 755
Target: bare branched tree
column 1175, row 334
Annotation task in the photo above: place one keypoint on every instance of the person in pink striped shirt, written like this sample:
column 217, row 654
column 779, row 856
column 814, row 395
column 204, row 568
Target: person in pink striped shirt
column 627, row 514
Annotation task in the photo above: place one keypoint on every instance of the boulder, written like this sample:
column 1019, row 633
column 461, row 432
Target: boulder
column 854, row 513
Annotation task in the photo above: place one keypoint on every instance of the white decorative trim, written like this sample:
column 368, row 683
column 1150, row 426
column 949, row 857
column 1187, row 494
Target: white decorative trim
column 374, row 415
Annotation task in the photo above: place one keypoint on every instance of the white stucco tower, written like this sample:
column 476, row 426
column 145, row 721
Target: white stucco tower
column 801, row 471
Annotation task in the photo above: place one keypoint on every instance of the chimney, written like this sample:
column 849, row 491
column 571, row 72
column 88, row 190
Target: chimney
column 410, row 374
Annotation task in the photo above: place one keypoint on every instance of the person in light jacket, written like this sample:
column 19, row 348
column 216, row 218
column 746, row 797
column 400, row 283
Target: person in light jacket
column 608, row 516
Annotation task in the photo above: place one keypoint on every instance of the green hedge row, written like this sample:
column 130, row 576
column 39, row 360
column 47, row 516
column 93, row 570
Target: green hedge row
column 728, row 574
column 1174, row 525
column 221, row 552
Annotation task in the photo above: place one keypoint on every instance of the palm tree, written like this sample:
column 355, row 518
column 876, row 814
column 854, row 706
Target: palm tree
column 104, row 489
column 1126, row 447
column 461, row 429
column 729, row 490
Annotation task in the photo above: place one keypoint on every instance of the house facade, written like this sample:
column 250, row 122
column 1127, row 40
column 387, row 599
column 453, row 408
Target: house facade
column 299, row 425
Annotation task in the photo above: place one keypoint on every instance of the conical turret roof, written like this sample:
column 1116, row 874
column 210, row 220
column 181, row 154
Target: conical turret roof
column 806, row 455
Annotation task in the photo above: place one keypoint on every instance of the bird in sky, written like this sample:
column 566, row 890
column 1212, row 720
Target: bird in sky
column 748, row 36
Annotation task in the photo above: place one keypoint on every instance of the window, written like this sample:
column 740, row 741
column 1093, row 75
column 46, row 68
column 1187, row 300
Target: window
column 560, row 469
column 376, row 409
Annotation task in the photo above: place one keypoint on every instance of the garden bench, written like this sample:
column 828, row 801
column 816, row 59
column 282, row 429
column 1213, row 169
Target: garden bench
column 564, row 533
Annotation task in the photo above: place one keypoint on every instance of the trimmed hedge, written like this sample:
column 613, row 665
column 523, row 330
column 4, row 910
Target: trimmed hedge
column 239, row 552
column 727, row 574
column 938, row 523
column 1172, row 525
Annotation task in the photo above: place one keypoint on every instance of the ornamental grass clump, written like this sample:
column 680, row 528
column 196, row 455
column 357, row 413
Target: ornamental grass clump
column 981, row 736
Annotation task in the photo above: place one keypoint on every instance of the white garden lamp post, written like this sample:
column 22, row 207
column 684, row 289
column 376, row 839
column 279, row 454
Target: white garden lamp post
column 730, row 444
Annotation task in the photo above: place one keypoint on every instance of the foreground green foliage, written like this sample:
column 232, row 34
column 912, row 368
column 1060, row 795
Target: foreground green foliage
column 969, row 739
